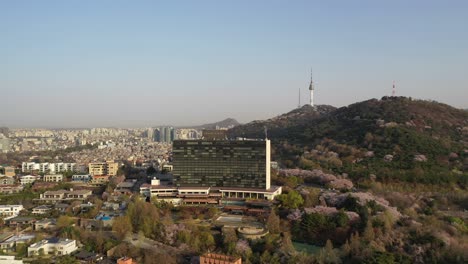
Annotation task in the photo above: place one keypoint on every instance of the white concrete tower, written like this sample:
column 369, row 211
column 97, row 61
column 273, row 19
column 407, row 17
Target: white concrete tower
column 311, row 89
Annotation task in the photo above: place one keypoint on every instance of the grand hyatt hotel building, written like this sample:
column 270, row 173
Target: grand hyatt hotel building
column 206, row 171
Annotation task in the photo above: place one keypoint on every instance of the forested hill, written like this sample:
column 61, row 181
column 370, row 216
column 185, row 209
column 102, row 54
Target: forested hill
column 392, row 138
column 351, row 124
column 278, row 126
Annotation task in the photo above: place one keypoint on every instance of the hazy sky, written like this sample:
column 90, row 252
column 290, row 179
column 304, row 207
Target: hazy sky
column 144, row 63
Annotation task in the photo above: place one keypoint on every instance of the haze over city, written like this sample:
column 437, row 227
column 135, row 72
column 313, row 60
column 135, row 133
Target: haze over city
column 145, row 63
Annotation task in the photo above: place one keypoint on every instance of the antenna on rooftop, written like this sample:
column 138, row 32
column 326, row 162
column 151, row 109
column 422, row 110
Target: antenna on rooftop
column 266, row 132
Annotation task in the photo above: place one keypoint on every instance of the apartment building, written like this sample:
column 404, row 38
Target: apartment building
column 53, row 178
column 10, row 171
column 46, row 167
column 28, row 179
column 103, row 168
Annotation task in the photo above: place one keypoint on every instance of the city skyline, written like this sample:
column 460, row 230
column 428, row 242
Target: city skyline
column 117, row 64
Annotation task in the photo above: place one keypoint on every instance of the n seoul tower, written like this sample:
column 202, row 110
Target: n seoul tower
column 311, row 89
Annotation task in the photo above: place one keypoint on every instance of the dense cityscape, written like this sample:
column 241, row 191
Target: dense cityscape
column 88, row 177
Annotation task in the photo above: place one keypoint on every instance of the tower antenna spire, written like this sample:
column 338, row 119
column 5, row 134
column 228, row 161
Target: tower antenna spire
column 311, row 88
column 299, row 102
column 311, row 74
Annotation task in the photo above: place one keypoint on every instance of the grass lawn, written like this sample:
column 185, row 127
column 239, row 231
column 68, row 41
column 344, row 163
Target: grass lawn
column 306, row 248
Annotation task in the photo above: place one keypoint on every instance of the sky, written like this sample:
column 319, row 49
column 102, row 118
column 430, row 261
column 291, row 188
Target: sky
column 147, row 63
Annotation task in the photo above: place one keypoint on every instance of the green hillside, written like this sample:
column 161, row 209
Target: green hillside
column 278, row 127
column 395, row 138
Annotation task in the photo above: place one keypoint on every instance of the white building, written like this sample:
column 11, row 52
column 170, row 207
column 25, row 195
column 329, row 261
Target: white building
column 28, row 179
column 9, row 260
column 41, row 209
column 204, row 195
column 46, row 167
column 10, row 211
column 54, row 246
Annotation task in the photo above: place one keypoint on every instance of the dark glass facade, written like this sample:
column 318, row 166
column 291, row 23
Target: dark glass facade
column 221, row 163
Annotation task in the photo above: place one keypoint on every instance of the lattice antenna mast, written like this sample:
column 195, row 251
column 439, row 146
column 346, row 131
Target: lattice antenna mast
column 299, row 101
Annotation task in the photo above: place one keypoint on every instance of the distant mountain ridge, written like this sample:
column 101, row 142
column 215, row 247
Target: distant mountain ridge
column 228, row 122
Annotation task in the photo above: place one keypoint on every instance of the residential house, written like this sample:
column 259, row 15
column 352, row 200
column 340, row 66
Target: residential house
column 125, row 187
column 20, row 221
column 53, row 246
column 45, row 223
column 10, row 244
column 111, row 206
column 99, row 179
column 64, row 195
column 10, row 211
column 9, row 189
column 9, row 260
column 41, row 209
column 79, row 194
column 61, row 207
column 81, row 178
column 53, row 196
column 4, row 180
